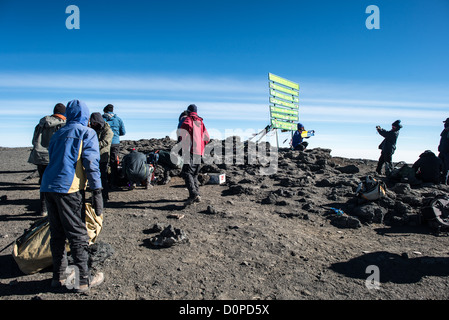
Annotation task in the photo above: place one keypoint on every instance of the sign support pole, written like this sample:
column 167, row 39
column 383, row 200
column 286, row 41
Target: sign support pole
column 277, row 138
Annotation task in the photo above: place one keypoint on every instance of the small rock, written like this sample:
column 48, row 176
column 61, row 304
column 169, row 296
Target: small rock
column 211, row 210
column 169, row 237
column 306, row 292
column 157, row 227
column 345, row 221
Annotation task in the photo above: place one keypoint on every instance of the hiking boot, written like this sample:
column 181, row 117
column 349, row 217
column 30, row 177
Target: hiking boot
column 57, row 283
column 188, row 202
column 193, row 200
column 95, row 281
column 65, row 278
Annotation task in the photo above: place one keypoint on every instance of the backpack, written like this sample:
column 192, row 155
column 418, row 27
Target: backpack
column 402, row 173
column 153, row 158
column 435, row 212
column 172, row 160
column 32, row 251
column 371, row 189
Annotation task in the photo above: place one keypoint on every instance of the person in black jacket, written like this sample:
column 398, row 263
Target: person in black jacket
column 443, row 148
column 388, row 146
column 428, row 167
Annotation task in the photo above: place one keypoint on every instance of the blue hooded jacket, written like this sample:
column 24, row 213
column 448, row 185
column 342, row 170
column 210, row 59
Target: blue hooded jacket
column 74, row 154
column 116, row 124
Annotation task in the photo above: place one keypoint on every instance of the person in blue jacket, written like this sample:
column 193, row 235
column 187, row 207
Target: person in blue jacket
column 74, row 158
column 298, row 142
column 118, row 128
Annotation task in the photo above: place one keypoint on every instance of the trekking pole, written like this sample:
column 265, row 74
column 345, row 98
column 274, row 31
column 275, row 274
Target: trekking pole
column 7, row 246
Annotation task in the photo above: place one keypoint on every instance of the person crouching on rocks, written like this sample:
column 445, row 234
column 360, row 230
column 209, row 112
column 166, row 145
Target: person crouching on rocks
column 136, row 170
column 298, row 142
column 428, row 167
column 388, row 147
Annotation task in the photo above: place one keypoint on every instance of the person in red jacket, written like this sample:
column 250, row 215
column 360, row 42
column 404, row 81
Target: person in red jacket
column 194, row 137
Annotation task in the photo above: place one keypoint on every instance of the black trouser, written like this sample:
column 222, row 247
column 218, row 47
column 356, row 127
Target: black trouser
column 40, row 170
column 67, row 217
column 445, row 159
column 302, row 146
column 190, row 173
column 114, row 153
column 104, row 180
column 385, row 158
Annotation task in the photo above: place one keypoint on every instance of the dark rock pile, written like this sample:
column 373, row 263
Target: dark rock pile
column 303, row 183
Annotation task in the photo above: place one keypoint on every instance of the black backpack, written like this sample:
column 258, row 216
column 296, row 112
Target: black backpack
column 435, row 213
column 170, row 159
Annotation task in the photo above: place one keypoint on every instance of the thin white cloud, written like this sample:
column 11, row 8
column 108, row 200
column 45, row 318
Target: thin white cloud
column 132, row 83
column 377, row 103
column 368, row 114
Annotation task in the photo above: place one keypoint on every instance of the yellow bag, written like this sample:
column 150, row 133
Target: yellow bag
column 31, row 250
column 94, row 223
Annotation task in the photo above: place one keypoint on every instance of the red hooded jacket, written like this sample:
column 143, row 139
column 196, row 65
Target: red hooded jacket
column 194, row 132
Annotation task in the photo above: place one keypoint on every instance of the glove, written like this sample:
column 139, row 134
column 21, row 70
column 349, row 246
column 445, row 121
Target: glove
column 97, row 201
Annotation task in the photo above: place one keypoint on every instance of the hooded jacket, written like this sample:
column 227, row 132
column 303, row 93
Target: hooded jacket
column 74, row 154
column 116, row 124
column 43, row 132
column 105, row 135
column 428, row 167
column 194, row 133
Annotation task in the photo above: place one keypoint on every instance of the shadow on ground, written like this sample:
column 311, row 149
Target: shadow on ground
column 393, row 267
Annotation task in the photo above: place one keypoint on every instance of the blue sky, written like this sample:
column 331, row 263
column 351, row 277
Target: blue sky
column 151, row 59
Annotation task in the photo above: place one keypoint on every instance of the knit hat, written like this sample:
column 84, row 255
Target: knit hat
column 447, row 120
column 300, row 126
column 397, row 124
column 192, row 108
column 108, row 108
column 59, row 109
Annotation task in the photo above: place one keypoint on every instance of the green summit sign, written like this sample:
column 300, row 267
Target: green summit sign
column 284, row 103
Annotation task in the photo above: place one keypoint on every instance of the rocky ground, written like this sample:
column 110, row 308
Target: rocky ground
column 256, row 237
